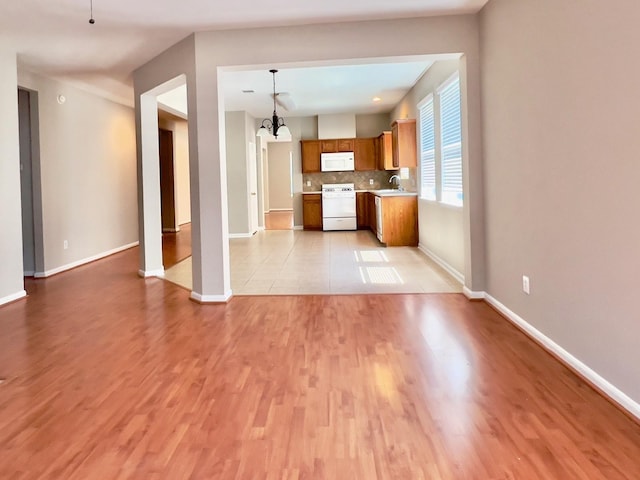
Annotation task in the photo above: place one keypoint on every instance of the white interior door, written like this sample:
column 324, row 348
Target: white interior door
column 253, row 189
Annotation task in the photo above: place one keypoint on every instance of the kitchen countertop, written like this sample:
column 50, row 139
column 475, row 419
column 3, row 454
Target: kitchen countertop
column 387, row 192
column 392, row 192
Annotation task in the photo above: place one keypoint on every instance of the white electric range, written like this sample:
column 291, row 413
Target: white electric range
column 339, row 206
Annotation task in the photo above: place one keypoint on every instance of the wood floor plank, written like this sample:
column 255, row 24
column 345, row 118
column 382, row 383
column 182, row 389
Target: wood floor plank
column 113, row 376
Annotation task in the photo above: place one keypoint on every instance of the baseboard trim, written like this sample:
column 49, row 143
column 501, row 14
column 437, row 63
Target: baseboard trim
column 298, row 227
column 281, row 209
column 30, row 273
column 473, row 295
column 600, row 384
column 84, row 261
column 13, row 297
column 241, row 235
column 442, row 263
column 196, row 297
column 170, row 230
column 151, row 273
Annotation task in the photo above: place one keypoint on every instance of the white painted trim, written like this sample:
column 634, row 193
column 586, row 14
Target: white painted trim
column 171, row 230
column 151, row 273
column 606, row 388
column 93, row 258
column 212, row 298
column 281, row 210
column 30, row 273
column 471, row 295
column 241, row 235
column 13, row 297
column 298, row 227
column 450, row 270
column 260, row 229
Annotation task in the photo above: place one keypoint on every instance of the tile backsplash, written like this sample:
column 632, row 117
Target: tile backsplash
column 360, row 179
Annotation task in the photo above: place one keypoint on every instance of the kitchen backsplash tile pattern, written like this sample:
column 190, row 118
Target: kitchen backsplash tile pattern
column 360, row 179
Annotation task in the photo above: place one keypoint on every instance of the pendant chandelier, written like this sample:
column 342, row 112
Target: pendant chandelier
column 274, row 126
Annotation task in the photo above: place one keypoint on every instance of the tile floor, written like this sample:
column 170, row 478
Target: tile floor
column 281, row 262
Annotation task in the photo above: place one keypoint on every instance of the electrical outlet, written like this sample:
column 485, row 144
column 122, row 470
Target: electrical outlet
column 308, row 183
column 371, row 181
column 525, row 284
column 65, row 244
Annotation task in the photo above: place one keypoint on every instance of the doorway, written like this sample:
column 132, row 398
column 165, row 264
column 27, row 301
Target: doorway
column 31, row 205
column 167, row 182
column 279, row 188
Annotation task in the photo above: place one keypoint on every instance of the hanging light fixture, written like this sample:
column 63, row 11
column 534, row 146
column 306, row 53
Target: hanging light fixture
column 275, row 125
column 91, row 19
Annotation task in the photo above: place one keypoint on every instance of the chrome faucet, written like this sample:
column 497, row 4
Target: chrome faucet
column 398, row 183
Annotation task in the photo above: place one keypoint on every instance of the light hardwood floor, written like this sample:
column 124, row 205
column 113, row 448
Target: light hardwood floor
column 110, row 376
column 281, row 262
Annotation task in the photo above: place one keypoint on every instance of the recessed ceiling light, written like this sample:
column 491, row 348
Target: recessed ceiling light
column 248, row 91
column 377, row 99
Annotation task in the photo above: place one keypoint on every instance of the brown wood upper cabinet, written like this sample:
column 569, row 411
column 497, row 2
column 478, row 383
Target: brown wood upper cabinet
column 384, row 151
column 310, row 150
column 403, row 133
column 365, row 154
column 337, row 145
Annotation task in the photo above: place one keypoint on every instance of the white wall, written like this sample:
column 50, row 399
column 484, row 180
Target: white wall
column 279, row 158
column 342, row 125
column 441, row 227
column 11, row 280
column 561, row 102
column 88, row 173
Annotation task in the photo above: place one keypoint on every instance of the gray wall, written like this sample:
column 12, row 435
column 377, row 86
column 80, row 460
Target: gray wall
column 560, row 117
column 237, row 172
column 11, row 280
column 372, row 124
column 88, row 173
column 279, row 155
column 441, row 226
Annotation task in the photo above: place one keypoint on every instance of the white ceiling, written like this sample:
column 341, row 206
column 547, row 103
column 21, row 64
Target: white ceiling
column 313, row 90
column 54, row 38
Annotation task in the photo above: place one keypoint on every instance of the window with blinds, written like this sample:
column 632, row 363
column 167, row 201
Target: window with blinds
column 451, row 134
column 427, row 149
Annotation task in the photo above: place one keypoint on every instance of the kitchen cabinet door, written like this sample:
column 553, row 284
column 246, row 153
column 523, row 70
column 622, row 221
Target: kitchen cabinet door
column 400, row 221
column 403, row 134
column 365, row 154
column 384, row 151
column 371, row 204
column 328, row 146
column 337, row 145
column 310, row 153
column 362, row 210
column 346, row 145
column 312, row 211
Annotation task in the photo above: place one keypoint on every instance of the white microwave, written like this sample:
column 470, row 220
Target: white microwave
column 337, row 162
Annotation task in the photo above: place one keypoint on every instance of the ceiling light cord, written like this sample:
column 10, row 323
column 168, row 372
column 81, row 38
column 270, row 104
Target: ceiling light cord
column 91, row 19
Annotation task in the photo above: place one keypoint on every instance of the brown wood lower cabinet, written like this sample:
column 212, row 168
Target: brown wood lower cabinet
column 362, row 210
column 312, row 211
column 399, row 220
